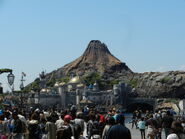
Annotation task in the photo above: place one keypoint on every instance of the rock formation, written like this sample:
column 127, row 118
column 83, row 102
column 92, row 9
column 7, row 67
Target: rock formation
column 160, row 84
column 97, row 58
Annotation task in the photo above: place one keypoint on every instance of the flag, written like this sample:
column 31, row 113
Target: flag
column 23, row 74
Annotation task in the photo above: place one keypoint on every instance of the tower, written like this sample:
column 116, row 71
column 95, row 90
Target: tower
column 77, row 97
column 61, row 91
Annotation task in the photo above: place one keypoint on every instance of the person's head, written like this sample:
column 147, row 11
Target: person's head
column 142, row 119
column 67, row 118
column 34, row 116
column 168, row 113
column 150, row 116
column 177, row 127
column 79, row 115
column 111, row 121
column 15, row 115
column 49, row 119
column 120, row 119
column 110, row 111
column 91, row 116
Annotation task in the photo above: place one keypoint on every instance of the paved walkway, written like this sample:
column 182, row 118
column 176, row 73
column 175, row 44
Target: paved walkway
column 135, row 133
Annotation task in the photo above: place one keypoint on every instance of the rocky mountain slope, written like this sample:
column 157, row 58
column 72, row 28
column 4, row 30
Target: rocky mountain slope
column 160, row 84
column 96, row 57
column 109, row 70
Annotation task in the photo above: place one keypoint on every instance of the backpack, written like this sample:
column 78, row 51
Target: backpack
column 24, row 127
column 76, row 130
column 34, row 130
column 64, row 132
column 95, row 128
column 23, row 124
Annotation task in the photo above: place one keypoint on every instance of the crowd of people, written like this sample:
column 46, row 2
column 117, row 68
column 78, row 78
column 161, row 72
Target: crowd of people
column 155, row 123
column 88, row 123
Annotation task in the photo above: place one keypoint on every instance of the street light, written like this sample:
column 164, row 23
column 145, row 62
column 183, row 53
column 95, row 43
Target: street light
column 11, row 78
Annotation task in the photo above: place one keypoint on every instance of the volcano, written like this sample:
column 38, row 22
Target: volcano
column 96, row 58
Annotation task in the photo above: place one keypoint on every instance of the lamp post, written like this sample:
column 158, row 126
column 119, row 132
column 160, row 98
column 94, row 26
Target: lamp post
column 11, row 78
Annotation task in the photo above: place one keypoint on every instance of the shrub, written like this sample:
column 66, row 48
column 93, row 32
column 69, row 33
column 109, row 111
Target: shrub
column 64, row 79
column 133, row 83
column 165, row 79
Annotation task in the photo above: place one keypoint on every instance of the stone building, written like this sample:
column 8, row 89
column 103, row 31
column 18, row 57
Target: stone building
column 75, row 92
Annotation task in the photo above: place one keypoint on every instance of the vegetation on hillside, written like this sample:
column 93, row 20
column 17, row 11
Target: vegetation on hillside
column 63, row 79
column 133, row 83
column 165, row 79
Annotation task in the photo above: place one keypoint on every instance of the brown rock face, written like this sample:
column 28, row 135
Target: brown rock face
column 96, row 58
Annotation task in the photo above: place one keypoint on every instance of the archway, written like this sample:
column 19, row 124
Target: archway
column 139, row 106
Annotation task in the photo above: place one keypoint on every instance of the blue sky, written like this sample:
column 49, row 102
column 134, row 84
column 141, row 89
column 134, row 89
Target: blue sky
column 36, row 35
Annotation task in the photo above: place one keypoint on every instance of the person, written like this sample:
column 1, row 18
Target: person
column 166, row 123
column 107, row 127
column 158, row 125
column 79, row 120
column 33, row 127
column 50, row 128
column 147, row 114
column 66, row 131
column 60, row 122
column 17, row 126
column 141, row 126
column 150, row 123
column 177, row 131
column 119, row 131
column 97, row 126
column 101, row 122
column 42, row 126
column 90, row 125
column 134, row 119
column 77, row 131
column 3, row 127
column 183, row 125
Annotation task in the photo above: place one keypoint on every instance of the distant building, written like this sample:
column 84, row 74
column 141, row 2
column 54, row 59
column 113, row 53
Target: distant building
column 75, row 92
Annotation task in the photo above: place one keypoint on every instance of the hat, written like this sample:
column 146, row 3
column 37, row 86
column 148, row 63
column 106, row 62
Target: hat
column 67, row 118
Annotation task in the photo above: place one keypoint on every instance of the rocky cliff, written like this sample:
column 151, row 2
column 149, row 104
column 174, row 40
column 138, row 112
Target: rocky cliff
column 98, row 59
column 160, row 84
